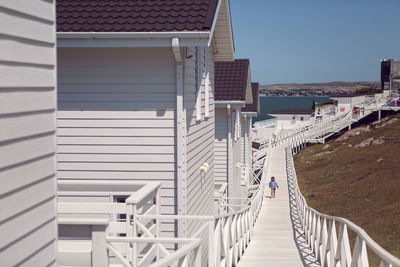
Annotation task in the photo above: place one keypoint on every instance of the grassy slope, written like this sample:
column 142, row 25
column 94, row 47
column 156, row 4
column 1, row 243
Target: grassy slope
column 361, row 184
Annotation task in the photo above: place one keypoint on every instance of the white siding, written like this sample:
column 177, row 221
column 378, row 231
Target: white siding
column 235, row 181
column 244, row 128
column 28, row 227
column 116, row 117
column 199, row 143
column 221, row 145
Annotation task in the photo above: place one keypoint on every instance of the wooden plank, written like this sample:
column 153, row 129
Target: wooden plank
column 18, row 227
column 116, row 97
column 111, row 166
column 132, row 158
column 122, row 79
column 27, row 197
column 36, row 8
column 114, row 123
column 28, row 51
column 123, row 149
column 14, row 101
column 148, row 87
column 98, row 114
column 123, row 140
column 32, row 76
column 26, row 125
column 26, row 150
column 160, row 107
column 117, row 70
column 41, row 242
column 122, row 175
column 26, row 27
column 117, row 132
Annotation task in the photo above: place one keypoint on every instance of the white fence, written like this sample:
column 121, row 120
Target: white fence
column 135, row 239
column 332, row 248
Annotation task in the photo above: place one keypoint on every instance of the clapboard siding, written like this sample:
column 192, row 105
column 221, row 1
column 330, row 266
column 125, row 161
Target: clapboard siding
column 235, row 183
column 116, row 117
column 199, row 142
column 28, row 227
column 221, row 145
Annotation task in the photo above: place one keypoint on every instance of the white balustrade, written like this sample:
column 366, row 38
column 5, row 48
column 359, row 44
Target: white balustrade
column 332, row 248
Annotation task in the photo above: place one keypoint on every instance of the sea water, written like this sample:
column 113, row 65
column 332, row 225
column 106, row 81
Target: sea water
column 276, row 103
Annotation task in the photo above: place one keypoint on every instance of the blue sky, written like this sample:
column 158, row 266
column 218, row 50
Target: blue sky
column 316, row 40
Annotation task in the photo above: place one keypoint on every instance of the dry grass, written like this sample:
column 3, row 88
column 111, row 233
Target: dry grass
column 361, row 184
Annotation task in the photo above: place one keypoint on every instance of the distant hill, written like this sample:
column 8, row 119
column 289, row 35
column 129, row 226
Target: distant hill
column 347, row 86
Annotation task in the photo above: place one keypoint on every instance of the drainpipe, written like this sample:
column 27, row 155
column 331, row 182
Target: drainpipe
column 180, row 140
column 229, row 149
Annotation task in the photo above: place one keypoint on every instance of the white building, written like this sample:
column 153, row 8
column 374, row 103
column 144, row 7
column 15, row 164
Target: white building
column 248, row 112
column 28, row 227
column 325, row 109
column 292, row 118
column 136, row 98
column 232, row 93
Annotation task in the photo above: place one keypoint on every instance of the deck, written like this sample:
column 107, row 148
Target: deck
column 276, row 241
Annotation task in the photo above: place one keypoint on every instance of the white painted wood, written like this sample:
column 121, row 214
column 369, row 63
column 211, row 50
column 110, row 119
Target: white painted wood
column 116, row 117
column 27, row 136
column 273, row 243
column 221, row 135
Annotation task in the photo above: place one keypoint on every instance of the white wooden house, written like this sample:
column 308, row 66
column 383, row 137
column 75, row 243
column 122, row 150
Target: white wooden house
column 232, row 93
column 292, row 118
column 136, row 96
column 325, row 109
column 28, row 228
column 248, row 112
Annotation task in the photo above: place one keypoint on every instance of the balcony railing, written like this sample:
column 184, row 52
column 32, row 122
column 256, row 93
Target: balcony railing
column 128, row 233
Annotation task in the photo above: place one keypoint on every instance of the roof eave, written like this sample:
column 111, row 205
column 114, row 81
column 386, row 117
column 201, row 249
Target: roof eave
column 223, row 103
column 131, row 39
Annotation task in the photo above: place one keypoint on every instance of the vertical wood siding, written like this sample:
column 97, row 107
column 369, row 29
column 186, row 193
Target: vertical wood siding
column 116, row 118
column 200, row 143
column 28, row 227
column 221, row 145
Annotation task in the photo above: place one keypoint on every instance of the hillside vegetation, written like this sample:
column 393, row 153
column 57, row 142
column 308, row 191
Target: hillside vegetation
column 357, row 176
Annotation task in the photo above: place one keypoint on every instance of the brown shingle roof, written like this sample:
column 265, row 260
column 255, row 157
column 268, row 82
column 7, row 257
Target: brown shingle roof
column 254, row 106
column 231, row 80
column 134, row 15
column 294, row 111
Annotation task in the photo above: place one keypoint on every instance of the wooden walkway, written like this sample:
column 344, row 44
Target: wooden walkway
column 277, row 238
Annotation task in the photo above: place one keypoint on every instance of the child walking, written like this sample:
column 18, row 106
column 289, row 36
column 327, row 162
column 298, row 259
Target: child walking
column 273, row 185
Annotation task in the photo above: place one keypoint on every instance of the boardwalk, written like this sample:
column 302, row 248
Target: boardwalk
column 274, row 242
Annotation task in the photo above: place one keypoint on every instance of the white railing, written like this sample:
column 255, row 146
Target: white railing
column 319, row 130
column 332, row 248
column 223, row 237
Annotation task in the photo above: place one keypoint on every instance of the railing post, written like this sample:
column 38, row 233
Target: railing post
column 211, row 242
column 99, row 246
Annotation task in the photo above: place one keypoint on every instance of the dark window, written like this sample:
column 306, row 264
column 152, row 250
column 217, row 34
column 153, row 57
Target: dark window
column 302, row 118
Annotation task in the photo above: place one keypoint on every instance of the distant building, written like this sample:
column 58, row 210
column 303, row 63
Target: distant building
column 292, row 118
column 390, row 75
column 327, row 108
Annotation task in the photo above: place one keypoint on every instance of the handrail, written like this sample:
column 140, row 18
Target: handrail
column 323, row 241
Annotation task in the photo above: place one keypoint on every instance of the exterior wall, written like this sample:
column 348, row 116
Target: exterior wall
column 344, row 105
column 285, row 121
column 221, row 145
column 28, row 226
column 200, row 137
column 116, row 118
column 235, row 180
